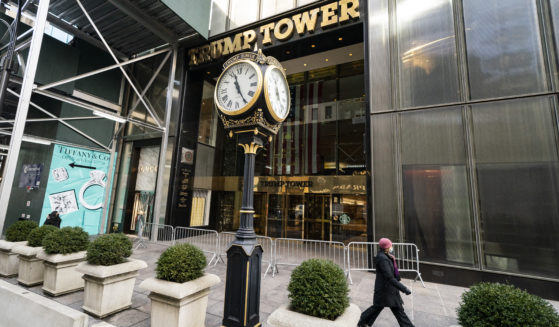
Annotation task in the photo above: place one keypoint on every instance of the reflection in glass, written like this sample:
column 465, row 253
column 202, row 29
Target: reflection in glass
column 385, row 194
column 503, row 48
column 207, row 127
column 427, row 52
column 554, row 4
column 349, row 217
column 219, row 16
column 323, row 134
column 380, row 82
column 437, row 215
column 517, row 172
column 274, row 7
column 243, row 12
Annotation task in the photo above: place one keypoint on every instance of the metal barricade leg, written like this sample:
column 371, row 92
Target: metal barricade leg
column 421, row 279
column 141, row 241
column 268, row 269
column 214, row 257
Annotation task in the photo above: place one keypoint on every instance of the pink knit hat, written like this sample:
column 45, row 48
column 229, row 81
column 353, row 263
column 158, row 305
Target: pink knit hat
column 385, row 243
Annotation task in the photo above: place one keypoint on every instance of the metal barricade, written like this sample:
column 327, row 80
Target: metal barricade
column 360, row 256
column 292, row 252
column 165, row 233
column 141, row 242
column 226, row 238
column 205, row 239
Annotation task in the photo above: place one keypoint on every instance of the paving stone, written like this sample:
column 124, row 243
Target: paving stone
column 431, row 306
column 127, row 318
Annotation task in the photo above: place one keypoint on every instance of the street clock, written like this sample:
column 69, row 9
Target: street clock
column 252, row 99
column 252, row 92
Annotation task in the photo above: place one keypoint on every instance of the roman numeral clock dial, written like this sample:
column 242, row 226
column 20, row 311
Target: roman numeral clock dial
column 238, row 88
column 276, row 92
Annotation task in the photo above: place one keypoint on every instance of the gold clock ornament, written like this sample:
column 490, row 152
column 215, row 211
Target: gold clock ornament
column 252, row 92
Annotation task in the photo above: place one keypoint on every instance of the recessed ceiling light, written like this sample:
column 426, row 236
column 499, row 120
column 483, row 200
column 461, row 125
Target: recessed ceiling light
column 313, row 45
column 340, row 38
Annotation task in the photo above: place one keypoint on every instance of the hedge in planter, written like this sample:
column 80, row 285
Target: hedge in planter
column 63, row 250
column 19, row 230
column 109, row 275
column 66, row 240
column 31, row 268
column 494, row 304
column 179, row 294
column 318, row 288
column 109, row 249
column 181, row 263
column 37, row 235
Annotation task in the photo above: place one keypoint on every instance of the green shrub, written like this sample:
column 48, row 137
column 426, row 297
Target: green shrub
column 494, row 304
column 109, row 249
column 181, row 263
column 37, row 235
column 318, row 288
column 19, row 230
column 66, row 240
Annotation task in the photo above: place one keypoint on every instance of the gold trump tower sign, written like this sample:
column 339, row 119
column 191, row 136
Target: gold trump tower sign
column 326, row 16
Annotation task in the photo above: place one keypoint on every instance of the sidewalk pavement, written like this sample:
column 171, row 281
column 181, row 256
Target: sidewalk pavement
column 432, row 306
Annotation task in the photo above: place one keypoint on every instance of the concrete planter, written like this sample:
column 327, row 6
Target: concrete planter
column 174, row 304
column 9, row 261
column 283, row 317
column 31, row 269
column 108, row 289
column 60, row 275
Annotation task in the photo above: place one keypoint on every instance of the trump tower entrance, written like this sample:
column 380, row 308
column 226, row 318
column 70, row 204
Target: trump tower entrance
column 310, row 180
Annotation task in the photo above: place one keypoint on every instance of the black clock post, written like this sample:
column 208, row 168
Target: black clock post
column 253, row 124
column 244, row 257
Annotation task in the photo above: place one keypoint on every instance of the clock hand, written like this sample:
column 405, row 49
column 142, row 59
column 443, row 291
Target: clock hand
column 238, row 87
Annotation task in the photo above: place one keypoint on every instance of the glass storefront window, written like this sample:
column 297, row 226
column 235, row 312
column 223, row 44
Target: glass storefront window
column 323, row 134
column 504, row 49
column 437, row 214
column 207, row 128
column 427, row 52
column 310, row 179
column 517, row 171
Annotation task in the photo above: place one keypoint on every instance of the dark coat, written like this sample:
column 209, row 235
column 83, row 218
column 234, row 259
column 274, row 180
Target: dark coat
column 54, row 221
column 387, row 286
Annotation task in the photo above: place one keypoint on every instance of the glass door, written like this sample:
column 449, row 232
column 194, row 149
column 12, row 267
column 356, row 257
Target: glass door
column 318, row 225
column 295, row 216
column 276, row 207
column 260, row 213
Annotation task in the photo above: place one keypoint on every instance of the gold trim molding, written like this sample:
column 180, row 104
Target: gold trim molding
column 250, row 148
column 257, row 118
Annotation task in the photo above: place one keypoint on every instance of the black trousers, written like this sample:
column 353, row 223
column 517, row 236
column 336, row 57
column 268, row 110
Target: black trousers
column 370, row 315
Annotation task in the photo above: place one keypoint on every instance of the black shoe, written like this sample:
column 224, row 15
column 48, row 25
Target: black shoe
column 362, row 324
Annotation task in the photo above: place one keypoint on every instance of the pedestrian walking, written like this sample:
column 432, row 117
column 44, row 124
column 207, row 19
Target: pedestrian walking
column 53, row 219
column 387, row 288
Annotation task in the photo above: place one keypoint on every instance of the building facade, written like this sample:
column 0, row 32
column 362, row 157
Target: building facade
column 431, row 122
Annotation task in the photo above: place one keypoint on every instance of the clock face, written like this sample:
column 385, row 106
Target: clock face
column 238, row 88
column 276, row 93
